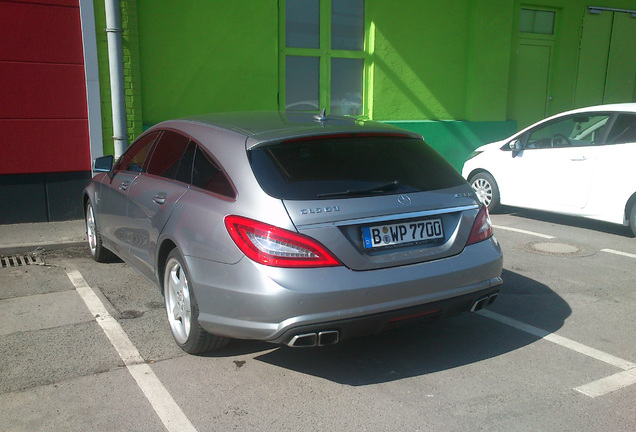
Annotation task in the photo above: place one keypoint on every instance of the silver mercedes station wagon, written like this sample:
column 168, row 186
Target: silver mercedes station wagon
column 291, row 228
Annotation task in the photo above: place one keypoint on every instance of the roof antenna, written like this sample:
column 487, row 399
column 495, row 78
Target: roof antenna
column 322, row 116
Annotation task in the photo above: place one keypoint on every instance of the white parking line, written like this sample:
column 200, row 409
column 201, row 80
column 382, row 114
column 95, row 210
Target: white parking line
column 505, row 228
column 162, row 402
column 609, row 384
column 594, row 389
column 545, row 236
column 615, row 252
column 560, row 340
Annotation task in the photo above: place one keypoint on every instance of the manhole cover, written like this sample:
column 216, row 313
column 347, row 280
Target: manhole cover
column 557, row 248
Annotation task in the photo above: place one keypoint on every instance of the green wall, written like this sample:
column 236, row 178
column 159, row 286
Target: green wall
column 440, row 60
column 445, row 61
column 132, row 79
column 427, row 60
column 420, row 59
column 430, row 60
column 455, row 140
column 564, row 62
column 207, row 56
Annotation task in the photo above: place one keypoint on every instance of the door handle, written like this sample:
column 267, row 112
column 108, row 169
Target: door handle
column 124, row 185
column 578, row 159
column 160, row 198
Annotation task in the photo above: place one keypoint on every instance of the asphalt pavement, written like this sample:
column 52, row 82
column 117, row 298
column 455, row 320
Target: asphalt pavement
column 86, row 346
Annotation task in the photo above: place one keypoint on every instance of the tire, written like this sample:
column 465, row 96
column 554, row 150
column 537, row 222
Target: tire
column 183, row 311
column 632, row 218
column 486, row 189
column 94, row 238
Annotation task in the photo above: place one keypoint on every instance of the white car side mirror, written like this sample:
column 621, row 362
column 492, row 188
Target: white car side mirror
column 515, row 145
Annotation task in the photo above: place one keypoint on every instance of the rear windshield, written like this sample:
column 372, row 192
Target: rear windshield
column 358, row 166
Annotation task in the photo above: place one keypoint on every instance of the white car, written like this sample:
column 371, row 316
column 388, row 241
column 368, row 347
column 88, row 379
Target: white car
column 581, row 162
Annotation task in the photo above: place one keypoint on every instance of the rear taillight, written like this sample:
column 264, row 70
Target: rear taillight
column 277, row 247
column 482, row 228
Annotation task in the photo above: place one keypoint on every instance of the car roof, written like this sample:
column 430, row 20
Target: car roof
column 260, row 127
column 629, row 107
column 619, row 107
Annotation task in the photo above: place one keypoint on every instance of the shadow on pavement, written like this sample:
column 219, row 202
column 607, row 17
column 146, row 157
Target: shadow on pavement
column 433, row 347
column 572, row 221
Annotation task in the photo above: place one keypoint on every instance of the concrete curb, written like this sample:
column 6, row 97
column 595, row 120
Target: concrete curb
column 28, row 237
column 6, row 250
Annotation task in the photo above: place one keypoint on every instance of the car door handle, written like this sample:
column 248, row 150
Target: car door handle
column 160, row 198
column 124, row 185
column 578, row 159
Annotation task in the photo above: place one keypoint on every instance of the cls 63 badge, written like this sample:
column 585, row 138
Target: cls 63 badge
column 319, row 210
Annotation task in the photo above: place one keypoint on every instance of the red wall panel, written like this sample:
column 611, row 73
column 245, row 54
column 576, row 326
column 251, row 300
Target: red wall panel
column 43, row 114
column 39, row 146
column 42, row 91
column 40, row 33
column 70, row 3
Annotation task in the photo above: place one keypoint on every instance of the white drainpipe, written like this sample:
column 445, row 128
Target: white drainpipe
column 116, row 66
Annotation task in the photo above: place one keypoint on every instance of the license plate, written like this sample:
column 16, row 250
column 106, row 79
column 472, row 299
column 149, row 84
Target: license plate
column 401, row 233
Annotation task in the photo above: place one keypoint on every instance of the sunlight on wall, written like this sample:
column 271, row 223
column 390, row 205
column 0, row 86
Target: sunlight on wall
column 405, row 95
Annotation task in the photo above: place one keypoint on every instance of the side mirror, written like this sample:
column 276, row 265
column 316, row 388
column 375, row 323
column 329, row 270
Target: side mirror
column 103, row 164
column 515, row 145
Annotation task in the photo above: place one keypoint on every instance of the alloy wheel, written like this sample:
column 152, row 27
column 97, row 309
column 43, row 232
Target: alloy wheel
column 91, row 232
column 178, row 304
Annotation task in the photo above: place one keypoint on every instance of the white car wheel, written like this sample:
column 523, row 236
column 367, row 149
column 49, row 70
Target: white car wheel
column 486, row 189
column 632, row 219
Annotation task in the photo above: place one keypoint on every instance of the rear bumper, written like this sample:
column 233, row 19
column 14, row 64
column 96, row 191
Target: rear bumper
column 371, row 324
column 250, row 301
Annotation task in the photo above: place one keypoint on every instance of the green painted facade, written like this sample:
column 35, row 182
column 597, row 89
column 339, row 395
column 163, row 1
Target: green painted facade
column 132, row 78
column 459, row 72
column 207, row 56
column 456, row 139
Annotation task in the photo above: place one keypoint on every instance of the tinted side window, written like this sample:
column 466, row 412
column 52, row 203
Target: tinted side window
column 328, row 167
column 167, row 155
column 206, row 175
column 135, row 157
column 184, row 173
column 623, row 130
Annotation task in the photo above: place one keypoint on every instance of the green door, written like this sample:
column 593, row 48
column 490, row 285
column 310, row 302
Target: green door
column 529, row 93
column 530, row 85
column 607, row 59
column 621, row 65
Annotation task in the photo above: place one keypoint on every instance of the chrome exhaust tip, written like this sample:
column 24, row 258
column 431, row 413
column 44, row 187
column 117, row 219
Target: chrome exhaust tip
column 492, row 298
column 304, row 340
column 479, row 304
column 330, row 337
column 483, row 302
column 323, row 338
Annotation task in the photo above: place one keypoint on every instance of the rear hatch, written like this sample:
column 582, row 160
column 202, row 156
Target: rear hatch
column 374, row 200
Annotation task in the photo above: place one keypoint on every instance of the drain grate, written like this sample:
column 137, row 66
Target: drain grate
column 21, row 260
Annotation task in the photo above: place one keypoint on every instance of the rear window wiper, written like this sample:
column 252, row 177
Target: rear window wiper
column 386, row 187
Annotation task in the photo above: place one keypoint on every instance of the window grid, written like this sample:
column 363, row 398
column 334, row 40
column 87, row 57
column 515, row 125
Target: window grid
column 325, row 55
